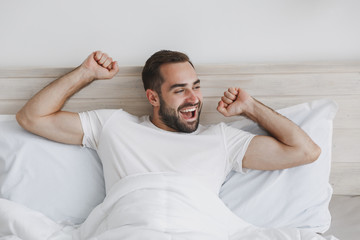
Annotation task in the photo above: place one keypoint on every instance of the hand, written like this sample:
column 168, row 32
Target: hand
column 99, row 65
column 234, row 102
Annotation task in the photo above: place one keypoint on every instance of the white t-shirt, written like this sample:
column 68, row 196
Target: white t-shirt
column 128, row 145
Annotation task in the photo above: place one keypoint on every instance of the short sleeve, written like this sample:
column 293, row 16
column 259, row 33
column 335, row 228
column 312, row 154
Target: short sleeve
column 92, row 123
column 237, row 142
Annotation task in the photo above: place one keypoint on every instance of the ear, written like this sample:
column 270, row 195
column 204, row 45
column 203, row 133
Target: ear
column 153, row 97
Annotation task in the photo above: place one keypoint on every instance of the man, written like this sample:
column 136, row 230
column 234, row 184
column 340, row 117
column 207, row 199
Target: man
column 171, row 140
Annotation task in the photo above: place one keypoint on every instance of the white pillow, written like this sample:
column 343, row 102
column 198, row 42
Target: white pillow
column 64, row 182
column 296, row 197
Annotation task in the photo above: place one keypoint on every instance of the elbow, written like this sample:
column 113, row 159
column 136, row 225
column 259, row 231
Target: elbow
column 20, row 118
column 313, row 153
column 23, row 120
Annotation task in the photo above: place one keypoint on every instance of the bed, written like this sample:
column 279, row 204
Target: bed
column 65, row 183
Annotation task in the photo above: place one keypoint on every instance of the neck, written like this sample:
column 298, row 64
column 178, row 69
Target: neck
column 156, row 120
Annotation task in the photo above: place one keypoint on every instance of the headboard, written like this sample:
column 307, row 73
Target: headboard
column 276, row 85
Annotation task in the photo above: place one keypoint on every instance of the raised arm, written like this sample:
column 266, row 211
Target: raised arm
column 42, row 114
column 288, row 146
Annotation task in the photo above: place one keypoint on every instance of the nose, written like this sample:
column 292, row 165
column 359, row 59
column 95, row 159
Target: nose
column 192, row 97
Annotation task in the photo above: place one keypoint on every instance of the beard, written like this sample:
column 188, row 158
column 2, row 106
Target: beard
column 170, row 117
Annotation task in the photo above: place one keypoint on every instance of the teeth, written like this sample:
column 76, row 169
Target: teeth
column 188, row 110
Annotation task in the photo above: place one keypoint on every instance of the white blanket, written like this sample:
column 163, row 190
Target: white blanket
column 146, row 206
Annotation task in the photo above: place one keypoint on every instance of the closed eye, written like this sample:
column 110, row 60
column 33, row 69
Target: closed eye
column 179, row 91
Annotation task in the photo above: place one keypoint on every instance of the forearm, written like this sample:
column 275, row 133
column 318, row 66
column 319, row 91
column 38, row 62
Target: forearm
column 281, row 128
column 52, row 98
column 277, row 125
column 42, row 114
column 288, row 145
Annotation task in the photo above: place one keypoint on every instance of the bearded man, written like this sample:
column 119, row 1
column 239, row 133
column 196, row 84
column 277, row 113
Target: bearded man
column 171, row 139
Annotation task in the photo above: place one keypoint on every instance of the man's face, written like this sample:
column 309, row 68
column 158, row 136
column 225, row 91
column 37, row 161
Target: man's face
column 180, row 98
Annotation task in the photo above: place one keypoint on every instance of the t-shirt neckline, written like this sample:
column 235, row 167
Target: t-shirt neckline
column 152, row 125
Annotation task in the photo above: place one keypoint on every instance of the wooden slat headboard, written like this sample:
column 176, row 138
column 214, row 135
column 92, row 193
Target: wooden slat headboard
column 276, row 85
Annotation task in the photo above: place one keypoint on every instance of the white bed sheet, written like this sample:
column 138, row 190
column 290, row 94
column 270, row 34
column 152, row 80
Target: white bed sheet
column 152, row 206
column 345, row 223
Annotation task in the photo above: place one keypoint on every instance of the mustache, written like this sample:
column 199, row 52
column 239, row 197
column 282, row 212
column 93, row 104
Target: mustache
column 189, row 105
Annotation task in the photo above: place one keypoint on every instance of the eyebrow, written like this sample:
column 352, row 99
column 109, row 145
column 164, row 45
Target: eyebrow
column 183, row 84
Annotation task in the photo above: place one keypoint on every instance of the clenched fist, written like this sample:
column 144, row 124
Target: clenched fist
column 99, row 65
column 234, row 102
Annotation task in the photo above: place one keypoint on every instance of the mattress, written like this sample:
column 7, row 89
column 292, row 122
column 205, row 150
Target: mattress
column 345, row 211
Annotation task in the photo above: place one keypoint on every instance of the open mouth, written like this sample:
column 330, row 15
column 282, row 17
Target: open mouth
column 189, row 113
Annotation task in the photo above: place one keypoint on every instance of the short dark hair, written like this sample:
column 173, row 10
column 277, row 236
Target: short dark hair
column 151, row 75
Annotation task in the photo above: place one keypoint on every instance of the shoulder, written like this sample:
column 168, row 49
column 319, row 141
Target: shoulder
column 217, row 127
column 120, row 114
column 102, row 116
column 232, row 132
column 210, row 129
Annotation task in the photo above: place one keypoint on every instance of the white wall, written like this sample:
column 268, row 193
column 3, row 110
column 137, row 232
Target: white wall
column 62, row 33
